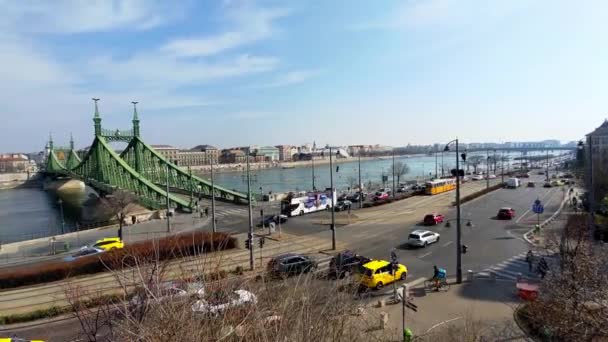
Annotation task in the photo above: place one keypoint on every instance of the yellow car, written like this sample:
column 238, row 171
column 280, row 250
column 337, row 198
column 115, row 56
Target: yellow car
column 17, row 339
column 108, row 244
column 377, row 273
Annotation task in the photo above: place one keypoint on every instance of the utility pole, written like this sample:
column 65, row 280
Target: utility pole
column 393, row 173
column 502, row 166
column 487, row 169
column 547, row 167
column 458, row 223
column 62, row 217
column 168, row 202
column 435, row 162
column 312, row 158
column 360, row 186
column 442, row 166
column 333, row 200
column 213, row 223
column 191, row 184
column 250, row 231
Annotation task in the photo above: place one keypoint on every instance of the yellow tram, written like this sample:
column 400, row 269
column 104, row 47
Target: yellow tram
column 438, row 186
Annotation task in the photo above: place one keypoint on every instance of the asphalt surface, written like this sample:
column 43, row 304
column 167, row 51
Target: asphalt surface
column 489, row 240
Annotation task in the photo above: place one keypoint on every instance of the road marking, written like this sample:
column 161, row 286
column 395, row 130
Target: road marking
column 423, row 255
column 447, row 244
column 530, row 209
column 444, row 322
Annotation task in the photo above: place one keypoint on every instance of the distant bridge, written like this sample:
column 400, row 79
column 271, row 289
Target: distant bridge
column 139, row 169
column 523, row 149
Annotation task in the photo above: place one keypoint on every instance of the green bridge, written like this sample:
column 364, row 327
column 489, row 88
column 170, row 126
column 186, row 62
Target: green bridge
column 138, row 169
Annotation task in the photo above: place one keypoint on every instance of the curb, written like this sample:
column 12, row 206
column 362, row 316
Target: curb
column 545, row 222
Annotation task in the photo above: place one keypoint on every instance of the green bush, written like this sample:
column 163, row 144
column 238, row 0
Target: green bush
column 166, row 248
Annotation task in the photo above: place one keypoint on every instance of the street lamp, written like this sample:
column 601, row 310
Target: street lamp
column 62, row 217
column 333, row 199
column 250, row 231
column 458, row 224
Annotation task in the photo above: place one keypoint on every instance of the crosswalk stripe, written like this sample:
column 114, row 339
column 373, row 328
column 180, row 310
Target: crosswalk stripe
column 502, row 270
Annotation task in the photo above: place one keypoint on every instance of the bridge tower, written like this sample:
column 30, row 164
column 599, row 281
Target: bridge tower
column 138, row 151
column 98, row 152
column 97, row 119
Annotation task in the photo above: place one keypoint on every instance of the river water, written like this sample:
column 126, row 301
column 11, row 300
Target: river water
column 33, row 213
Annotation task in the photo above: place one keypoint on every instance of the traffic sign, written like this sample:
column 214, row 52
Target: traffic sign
column 538, row 207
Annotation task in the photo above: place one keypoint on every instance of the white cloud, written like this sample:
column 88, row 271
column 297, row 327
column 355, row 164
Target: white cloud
column 252, row 25
column 64, row 16
column 289, row 78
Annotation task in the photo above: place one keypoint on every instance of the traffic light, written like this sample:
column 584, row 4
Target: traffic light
column 337, row 168
column 464, row 249
column 262, row 241
column 248, row 244
column 464, row 156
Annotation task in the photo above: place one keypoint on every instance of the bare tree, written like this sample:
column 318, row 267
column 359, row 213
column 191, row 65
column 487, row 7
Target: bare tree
column 352, row 181
column 401, row 169
column 119, row 203
column 475, row 161
column 573, row 298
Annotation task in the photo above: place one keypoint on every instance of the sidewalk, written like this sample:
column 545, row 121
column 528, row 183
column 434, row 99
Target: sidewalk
column 30, row 251
column 484, row 304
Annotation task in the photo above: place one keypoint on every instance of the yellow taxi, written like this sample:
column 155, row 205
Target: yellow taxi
column 108, row 244
column 377, row 273
column 17, row 339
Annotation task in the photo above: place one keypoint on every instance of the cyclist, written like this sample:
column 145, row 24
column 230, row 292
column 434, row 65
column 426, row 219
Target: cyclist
column 438, row 276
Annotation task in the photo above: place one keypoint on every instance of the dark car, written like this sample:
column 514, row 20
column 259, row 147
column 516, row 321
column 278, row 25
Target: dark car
column 531, row 184
column 288, row 264
column 506, row 213
column 433, row 219
column 273, row 219
column 342, row 197
column 346, row 263
column 343, row 205
column 547, row 185
column 356, row 196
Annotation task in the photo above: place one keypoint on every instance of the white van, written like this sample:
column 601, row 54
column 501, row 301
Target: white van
column 513, row 183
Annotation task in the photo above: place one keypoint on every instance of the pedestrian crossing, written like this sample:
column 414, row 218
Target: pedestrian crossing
column 231, row 212
column 516, row 266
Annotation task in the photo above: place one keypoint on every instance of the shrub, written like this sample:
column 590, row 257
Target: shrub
column 166, row 248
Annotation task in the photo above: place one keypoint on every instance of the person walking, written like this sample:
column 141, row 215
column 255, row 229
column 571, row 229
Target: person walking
column 542, row 267
column 530, row 260
column 206, row 211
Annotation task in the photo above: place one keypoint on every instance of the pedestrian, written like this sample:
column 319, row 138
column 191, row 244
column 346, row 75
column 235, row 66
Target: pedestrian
column 201, row 214
column 530, row 260
column 206, row 211
column 542, row 267
column 133, row 219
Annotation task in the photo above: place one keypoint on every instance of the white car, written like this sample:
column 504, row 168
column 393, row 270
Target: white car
column 421, row 238
column 492, row 176
column 478, row 177
column 171, row 290
column 235, row 299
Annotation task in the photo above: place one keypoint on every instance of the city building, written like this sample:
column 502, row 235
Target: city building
column 286, row 152
column 212, row 153
column 597, row 142
column 168, row 152
column 267, row 153
column 15, row 163
column 230, row 156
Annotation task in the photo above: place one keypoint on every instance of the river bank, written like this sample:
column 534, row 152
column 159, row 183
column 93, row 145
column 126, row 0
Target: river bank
column 241, row 167
column 19, row 180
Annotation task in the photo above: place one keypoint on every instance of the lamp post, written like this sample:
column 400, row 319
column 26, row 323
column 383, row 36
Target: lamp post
column 62, row 217
column 487, row 169
column 312, row 158
column 360, row 186
column 213, row 223
column 250, row 231
column 393, row 172
column 435, row 161
column 168, row 202
column 333, row 200
column 442, row 167
column 458, row 242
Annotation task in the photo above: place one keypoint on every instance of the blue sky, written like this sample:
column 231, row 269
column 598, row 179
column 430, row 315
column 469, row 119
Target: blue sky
column 288, row 72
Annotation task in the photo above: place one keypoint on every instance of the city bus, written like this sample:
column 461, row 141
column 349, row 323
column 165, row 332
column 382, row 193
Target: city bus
column 438, row 186
column 311, row 202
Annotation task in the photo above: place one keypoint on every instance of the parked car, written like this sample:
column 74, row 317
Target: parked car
column 82, row 252
column 505, row 213
column 418, row 188
column 343, row 205
column 380, row 196
column 217, row 302
column 377, row 273
column 477, row 177
column 17, row 339
column 422, row 238
column 531, row 184
column 108, row 244
column 432, row 219
column 342, row 197
column 524, row 175
column 346, row 263
column 541, row 172
column 290, row 263
column 491, row 176
column 356, row 196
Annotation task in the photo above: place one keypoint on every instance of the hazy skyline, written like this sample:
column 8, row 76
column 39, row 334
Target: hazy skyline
column 233, row 72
